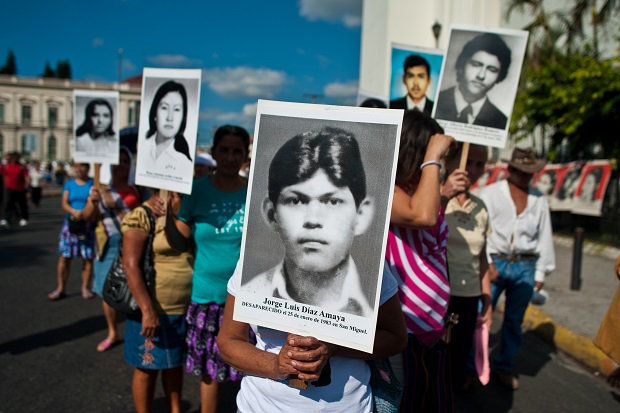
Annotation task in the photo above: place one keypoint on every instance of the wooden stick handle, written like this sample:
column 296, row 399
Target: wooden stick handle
column 298, row 383
column 163, row 194
column 97, row 175
column 464, row 155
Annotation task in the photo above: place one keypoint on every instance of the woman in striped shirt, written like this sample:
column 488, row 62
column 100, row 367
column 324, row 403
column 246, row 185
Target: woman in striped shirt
column 416, row 256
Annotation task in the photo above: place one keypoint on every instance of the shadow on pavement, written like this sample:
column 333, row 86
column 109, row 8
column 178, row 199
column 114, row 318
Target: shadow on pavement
column 15, row 255
column 55, row 336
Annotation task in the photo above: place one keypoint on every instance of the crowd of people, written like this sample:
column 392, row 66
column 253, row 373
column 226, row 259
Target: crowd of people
column 449, row 255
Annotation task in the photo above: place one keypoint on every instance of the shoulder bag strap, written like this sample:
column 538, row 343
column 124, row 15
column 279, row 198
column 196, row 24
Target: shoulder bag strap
column 148, row 266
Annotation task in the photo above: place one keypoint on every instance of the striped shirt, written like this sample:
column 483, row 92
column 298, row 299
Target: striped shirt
column 417, row 259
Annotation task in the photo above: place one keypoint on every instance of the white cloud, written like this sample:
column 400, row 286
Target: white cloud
column 341, row 91
column 128, row 65
column 246, row 118
column 173, row 60
column 97, row 41
column 244, row 81
column 346, row 12
column 249, row 110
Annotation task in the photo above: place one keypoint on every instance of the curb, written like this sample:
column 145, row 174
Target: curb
column 589, row 247
column 578, row 346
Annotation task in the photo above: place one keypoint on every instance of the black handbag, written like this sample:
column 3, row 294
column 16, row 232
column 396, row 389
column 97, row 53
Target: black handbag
column 116, row 291
column 77, row 227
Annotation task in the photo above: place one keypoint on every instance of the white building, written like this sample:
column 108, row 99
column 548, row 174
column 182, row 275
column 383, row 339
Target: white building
column 36, row 114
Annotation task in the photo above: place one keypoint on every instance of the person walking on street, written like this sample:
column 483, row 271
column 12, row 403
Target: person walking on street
column 16, row 183
column 37, row 182
column 520, row 251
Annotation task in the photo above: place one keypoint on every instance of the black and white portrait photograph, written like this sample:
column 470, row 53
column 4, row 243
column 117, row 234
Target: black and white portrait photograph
column 316, row 223
column 95, row 126
column 168, row 128
column 591, row 188
column 546, row 181
column 478, row 84
column 567, row 181
column 414, row 77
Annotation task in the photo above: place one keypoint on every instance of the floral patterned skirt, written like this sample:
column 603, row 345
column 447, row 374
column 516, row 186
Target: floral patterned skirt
column 203, row 354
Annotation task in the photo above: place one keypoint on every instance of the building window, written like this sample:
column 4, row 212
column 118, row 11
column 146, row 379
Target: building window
column 1, row 146
column 51, row 147
column 133, row 114
column 26, row 114
column 30, row 143
column 1, row 112
column 52, row 116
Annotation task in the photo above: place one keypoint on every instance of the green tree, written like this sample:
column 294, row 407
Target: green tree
column 10, row 66
column 48, row 71
column 63, row 69
column 566, row 89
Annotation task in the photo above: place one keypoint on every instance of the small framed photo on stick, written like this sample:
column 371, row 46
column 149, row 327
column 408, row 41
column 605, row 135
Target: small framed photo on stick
column 414, row 77
column 478, row 83
column 315, row 228
column 95, row 126
column 168, row 128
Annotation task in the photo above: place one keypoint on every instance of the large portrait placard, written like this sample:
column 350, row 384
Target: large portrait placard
column 95, row 126
column 168, row 128
column 316, row 224
column 478, row 83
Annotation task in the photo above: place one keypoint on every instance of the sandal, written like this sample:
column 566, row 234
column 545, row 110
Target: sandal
column 106, row 344
column 56, row 295
column 87, row 294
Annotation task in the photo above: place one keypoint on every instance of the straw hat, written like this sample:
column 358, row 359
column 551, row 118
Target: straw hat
column 524, row 160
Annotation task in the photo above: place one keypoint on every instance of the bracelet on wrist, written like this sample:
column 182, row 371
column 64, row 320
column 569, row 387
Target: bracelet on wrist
column 427, row 163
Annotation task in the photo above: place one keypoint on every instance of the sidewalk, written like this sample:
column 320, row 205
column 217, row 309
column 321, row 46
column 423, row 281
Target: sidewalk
column 570, row 319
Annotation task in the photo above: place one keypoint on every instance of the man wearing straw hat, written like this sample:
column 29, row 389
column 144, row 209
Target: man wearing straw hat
column 520, row 251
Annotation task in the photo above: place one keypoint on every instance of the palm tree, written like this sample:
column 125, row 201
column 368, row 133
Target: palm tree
column 599, row 16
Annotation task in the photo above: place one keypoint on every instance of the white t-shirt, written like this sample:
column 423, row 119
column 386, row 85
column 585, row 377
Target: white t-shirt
column 348, row 391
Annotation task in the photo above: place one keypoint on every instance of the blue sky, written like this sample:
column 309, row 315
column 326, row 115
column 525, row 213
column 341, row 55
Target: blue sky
column 278, row 49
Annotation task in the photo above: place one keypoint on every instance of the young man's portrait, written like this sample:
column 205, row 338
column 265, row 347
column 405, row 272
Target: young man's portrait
column 482, row 63
column 416, row 79
column 317, row 204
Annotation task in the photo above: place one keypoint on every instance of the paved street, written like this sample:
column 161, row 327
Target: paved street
column 48, row 361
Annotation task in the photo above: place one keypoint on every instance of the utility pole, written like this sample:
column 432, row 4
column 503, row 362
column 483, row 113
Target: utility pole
column 313, row 96
column 120, row 66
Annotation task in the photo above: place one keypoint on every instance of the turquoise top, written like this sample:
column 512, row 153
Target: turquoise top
column 216, row 219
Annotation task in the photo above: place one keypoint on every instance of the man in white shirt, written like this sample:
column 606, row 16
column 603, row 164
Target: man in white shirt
column 417, row 79
column 520, row 249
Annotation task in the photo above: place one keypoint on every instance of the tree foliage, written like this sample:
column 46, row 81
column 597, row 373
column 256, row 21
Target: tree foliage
column 578, row 96
column 48, row 71
column 565, row 86
column 63, row 69
column 10, row 66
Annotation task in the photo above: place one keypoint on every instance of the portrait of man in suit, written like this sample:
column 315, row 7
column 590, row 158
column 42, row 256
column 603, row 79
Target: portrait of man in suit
column 417, row 79
column 482, row 63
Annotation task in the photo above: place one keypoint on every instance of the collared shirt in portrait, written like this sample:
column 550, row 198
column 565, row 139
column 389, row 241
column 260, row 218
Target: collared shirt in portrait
column 102, row 146
column 527, row 233
column 461, row 104
column 469, row 228
column 419, row 106
column 352, row 299
column 169, row 160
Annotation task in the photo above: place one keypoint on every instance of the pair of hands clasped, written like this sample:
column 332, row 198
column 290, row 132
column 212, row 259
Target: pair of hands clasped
column 303, row 357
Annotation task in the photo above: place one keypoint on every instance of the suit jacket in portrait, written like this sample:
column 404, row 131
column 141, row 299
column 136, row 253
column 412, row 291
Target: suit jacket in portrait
column 489, row 115
column 402, row 104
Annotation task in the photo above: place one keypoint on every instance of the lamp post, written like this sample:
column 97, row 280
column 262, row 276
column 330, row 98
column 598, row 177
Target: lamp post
column 436, row 32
